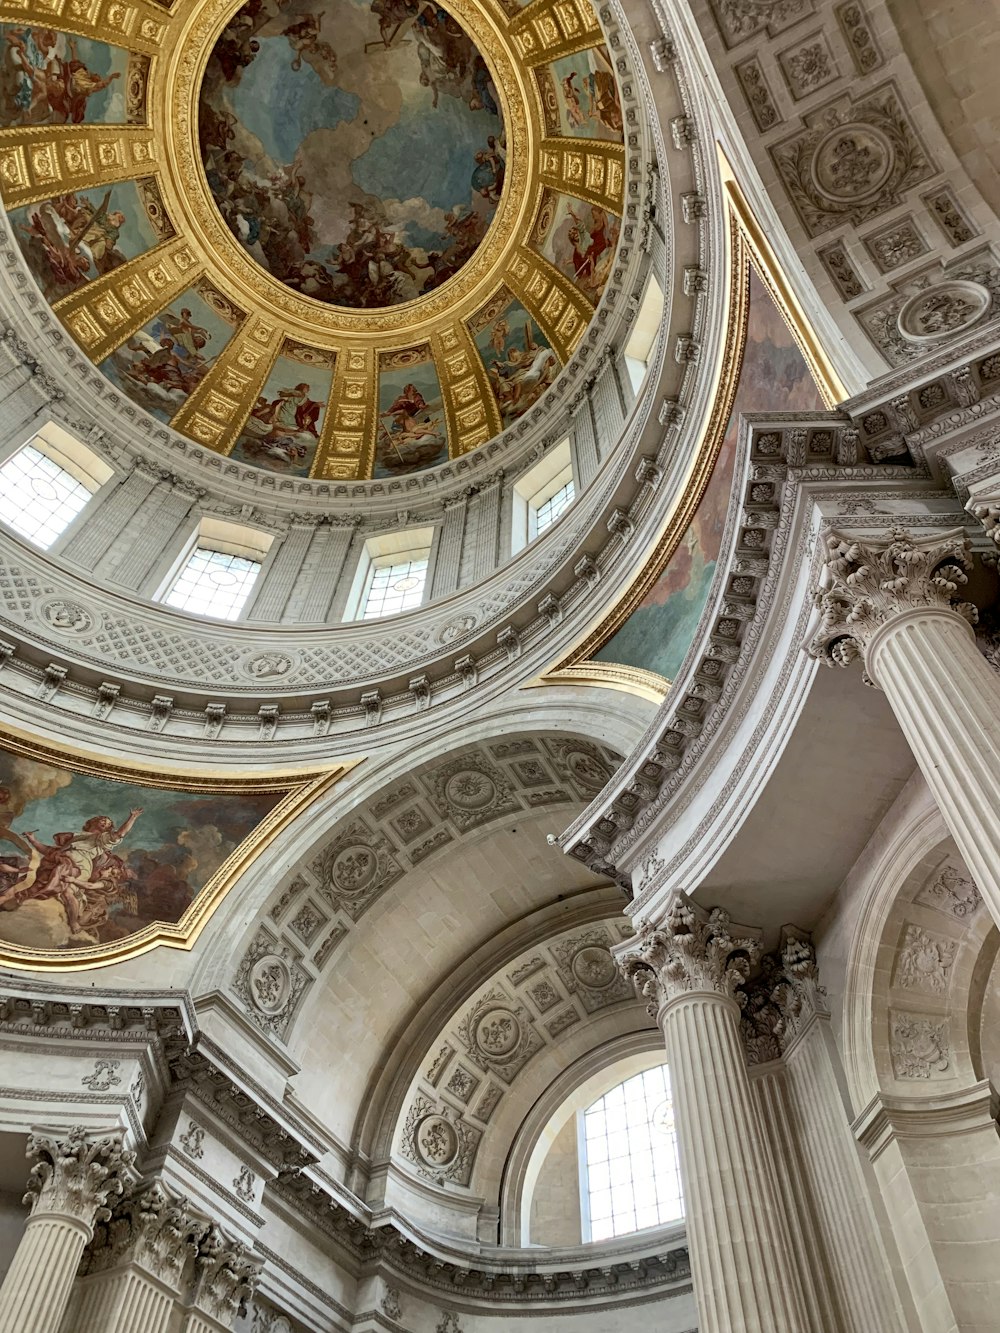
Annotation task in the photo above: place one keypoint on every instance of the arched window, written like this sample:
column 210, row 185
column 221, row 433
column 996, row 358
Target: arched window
column 630, row 1175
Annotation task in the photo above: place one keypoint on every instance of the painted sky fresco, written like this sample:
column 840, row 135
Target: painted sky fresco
column 53, row 78
column 355, row 148
column 581, row 240
column 73, row 238
column 84, row 860
column 587, row 95
column 412, row 431
column 283, row 429
column 519, row 362
column 160, row 365
column 774, row 377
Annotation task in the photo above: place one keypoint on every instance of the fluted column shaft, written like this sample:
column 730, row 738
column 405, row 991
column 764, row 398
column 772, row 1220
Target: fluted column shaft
column 947, row 702
column 37, row 1287
column 744, row 1277
column 69, row 1187
column 858, row 1265
column 123, row 1303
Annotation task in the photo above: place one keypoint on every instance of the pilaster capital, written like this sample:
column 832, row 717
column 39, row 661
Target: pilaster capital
column 871, row 581
column 76, row 1176
column 151, row 1227
column 225, row 1275
column 693, row 950
column 782, row 998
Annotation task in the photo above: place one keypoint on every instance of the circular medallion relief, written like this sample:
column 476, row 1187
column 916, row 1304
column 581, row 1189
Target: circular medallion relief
column 354, row 868
column 594, row 967
column 355, row 148
column 470, row 790
column 270, row 983
column 498, row 1032
column 852, row 162
column 65, row 616
column 948, row 307
column 436, row 1140
column 266, row 666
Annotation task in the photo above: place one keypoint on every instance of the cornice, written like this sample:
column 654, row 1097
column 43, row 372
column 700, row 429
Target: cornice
column 777, row 455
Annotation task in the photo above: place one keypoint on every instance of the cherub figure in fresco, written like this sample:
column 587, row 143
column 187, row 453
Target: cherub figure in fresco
column 163, row 366
column 405, row 416
column 392, row 14
column 304, row 39
column 591, row 244
column 78, row 869
column 490, row 170
column 498, row 335
column 74, row 237
column 571, row 95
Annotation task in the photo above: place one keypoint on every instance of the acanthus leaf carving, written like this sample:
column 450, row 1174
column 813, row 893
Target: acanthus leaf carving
column 78, row 1175
column 869, row 582
column 694, row 950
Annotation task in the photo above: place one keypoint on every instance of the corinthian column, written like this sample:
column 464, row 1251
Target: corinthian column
column 69, row 1189
column 691, row 969
column 894, row 603
column 138, row 1265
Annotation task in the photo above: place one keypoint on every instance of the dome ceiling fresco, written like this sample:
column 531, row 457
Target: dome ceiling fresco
column 327, row 238
column 359, row 166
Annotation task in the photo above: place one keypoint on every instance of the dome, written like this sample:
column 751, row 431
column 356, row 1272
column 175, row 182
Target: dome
column 337, row 241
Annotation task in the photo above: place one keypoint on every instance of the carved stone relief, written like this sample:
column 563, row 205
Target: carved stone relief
column 858, row 36
column 443, row 800
column 740, row 19
column 439, row 1142
column 852, row 160
column 919, row 1046
column 951, row 891
column 499, row 1035
column 588, row 970
column 895, row 245
column 924, row 960
column 356, row 868
column 270, row 981
column 758, row 93
column 808, row 65
column 923, row 311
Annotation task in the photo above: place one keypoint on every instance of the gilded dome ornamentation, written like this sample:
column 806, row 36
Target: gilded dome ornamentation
column 336, row 241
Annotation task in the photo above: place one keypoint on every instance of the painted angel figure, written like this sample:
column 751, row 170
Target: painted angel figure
column 75, row 869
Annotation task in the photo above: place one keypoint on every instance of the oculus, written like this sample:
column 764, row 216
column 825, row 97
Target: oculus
column 355, row 150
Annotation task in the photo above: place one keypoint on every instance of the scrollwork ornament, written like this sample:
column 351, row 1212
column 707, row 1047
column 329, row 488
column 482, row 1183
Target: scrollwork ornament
column 693, row 950
column 869, row 583
column 77, row 1175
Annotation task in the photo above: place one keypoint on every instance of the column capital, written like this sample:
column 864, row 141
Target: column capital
column 782, row 999
column 225, row 1275
column 77, row 1175
column 151, row 1227
column 693, row 950
column 872, row 581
